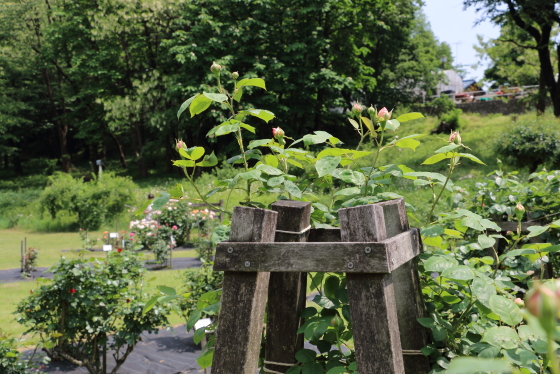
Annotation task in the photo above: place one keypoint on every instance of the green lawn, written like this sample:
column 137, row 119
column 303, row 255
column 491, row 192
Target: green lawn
column 50, row 246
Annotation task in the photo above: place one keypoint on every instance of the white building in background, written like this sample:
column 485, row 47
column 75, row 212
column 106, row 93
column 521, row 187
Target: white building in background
column 453, row 82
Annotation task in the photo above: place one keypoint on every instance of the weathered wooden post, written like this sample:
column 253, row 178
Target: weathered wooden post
column 287, row 291
column 388, row 219
column 238, row 336
column 374, row 247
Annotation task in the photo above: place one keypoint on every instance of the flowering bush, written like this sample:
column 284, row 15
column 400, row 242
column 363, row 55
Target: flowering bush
column 149, row 234
column 75, row 314
column 30, row 260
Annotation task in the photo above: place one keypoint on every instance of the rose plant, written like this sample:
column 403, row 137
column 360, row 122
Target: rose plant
column 91, row 307
column 469, row 294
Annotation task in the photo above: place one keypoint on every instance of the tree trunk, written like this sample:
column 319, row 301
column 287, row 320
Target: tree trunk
column 119, row 147
column 541, row 99
column 168, row 156
column 16, row 160
column 137, row 143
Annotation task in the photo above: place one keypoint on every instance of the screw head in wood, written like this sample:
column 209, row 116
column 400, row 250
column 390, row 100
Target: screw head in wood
column 367, row 250
column 230, row 250
column 247, row 264
column 350, row 265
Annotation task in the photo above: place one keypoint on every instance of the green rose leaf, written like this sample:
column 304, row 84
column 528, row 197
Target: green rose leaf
column 265, row 115
column 326, row 165
column 199, row 105
column 160, row 201
column 185, row 105
column 536, row 230
column 313, row 368
column 292, row 188
column 471, row 157
column 220, row 98
column 184, row 163
column 502, row 336
column 507, row 310
column 469, row 365
column 409, row 142
column 459, row 272
column 150, row 304
column 258, row 143
column 486, row 241
column 409, row 116
column 392, row 124
column 447, row 148
column 205, row 359
column 483, row 289
column 167, row 290
column 256, row 82
column 208, row 161
column 269, row 170
column 437, row 158
column 305, row 355
column 437, row 264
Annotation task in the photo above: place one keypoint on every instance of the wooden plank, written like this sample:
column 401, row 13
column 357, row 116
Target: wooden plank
column 371, row 296
column 303, row 257
column 331, row 235
column 402, row 248
column 286, row 291
column 238, row 336
column 406, row 282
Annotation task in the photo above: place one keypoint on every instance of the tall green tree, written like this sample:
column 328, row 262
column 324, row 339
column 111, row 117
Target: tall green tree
column 537, row 19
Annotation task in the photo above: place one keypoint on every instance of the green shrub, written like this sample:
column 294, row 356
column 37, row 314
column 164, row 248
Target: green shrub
column 15, row 205
column 86, row 302
column 96, row 202
column 442, row 105
column 530, row 145
column 453, row 117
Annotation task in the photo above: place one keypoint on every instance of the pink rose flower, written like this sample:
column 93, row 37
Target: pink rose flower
column 174, row 227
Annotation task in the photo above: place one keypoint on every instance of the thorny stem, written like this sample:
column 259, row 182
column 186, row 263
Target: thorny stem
column 204, row 200
column 554, row 365
column 379, row 149
column 452, row 165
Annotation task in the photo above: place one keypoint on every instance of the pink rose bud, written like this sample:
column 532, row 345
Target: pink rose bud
column 519, row 302
column 372, row 111
column 357, row 108
column 455, row 138
column 519, row 211
column 384, row 114
column 215, row 68
column 542, row 303
column 278, row 134
column 180, row 144
column 174, row 227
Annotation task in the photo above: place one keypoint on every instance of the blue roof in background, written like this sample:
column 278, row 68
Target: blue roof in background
column 467, row 83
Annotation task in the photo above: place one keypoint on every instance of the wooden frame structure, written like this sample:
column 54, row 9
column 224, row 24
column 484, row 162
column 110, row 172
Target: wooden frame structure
column 268, row 256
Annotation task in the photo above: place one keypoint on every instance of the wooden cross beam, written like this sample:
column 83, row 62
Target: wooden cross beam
column 341, row 257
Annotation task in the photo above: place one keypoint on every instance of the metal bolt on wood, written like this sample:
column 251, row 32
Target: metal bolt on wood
column 230, row 250
column 367, row 250
column 247, row 264
column 350, row 265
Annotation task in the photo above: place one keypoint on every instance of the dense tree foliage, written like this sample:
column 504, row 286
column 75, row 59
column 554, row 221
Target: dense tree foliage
column 536, row 20
column 83, row 78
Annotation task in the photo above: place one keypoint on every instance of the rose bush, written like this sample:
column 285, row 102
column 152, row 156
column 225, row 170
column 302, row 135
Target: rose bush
column 91, row 307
